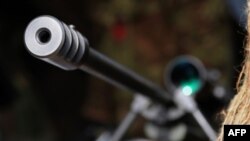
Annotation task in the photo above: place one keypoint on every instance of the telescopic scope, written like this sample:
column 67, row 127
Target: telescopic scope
column 186, row 73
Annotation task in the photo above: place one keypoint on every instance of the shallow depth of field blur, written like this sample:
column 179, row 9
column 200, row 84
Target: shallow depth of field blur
column 39, row 102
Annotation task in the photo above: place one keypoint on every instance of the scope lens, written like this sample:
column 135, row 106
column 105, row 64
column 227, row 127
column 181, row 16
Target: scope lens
column 186, row 77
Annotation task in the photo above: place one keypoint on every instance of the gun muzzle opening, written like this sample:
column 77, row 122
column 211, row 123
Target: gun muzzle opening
column 53, row 41
column 43, row 35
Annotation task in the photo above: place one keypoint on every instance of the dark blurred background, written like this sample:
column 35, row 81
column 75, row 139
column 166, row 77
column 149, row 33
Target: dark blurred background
column 39, row 102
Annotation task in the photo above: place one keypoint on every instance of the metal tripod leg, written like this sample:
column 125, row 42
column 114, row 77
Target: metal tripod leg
column 139, row 104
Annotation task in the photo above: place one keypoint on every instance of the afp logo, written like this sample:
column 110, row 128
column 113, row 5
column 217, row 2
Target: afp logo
column 234, row 132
